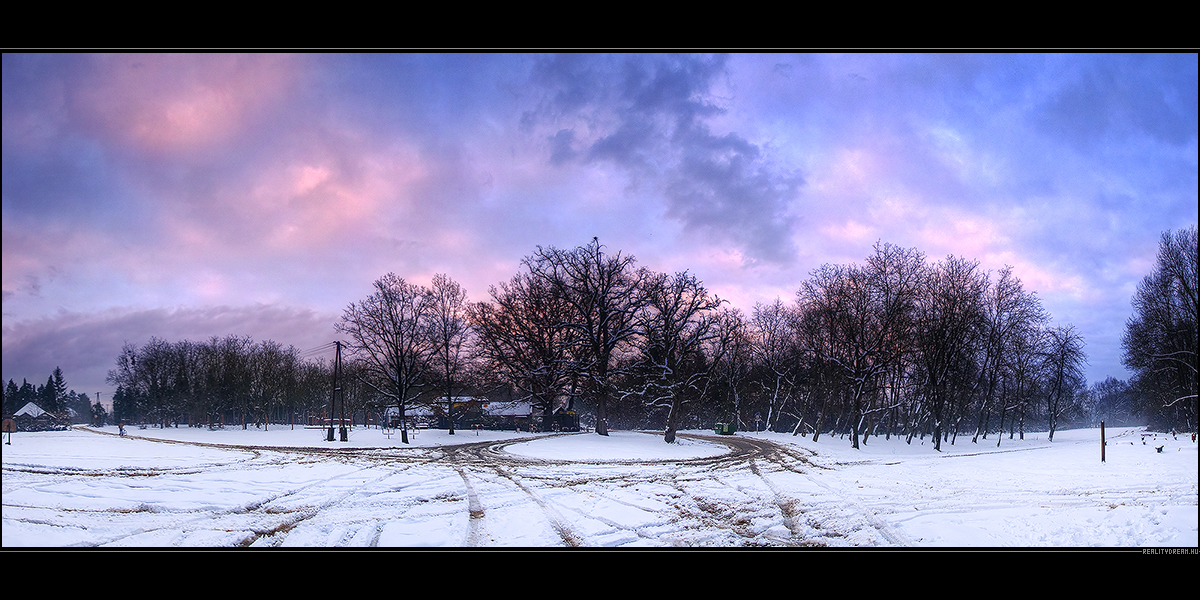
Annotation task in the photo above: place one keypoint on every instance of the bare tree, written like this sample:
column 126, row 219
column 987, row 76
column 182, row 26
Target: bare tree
column 388, row 332
column 1008, row 311
column 731, row 355
column 678, row 321
column 858, row 319
column 1022, row 375
column 233, row 373
column 1161, row 338
column 1064, row 373
column 522, row 342
column 819, row 311
column 146, row 373
column 774, row 352
column 604, row 292
column 450, row 332
column 272, row 375
column 1111, row 401
column 947, row 324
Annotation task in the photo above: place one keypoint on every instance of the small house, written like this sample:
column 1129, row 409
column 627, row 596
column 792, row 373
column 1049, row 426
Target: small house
column 31, row 417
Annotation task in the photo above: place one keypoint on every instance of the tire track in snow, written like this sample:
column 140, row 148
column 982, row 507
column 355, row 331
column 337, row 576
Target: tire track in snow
column 476, row 528
column 278, row 521
column 370, row 529
column 570, row 480
column 710, row 512
column 786, row 504
column 713, row 514
column 797, row 460
column 560, row 525
column 787, row 459
column 746, row 453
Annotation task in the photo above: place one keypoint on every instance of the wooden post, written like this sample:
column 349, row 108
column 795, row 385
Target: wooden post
column 1101, row 441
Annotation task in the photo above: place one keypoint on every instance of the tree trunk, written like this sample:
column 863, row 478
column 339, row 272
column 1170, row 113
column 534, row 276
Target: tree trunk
column 981, row 426
column 602, row 414
column 672, row 418
column 855, row 417
column 403, row 425
column 820, row 419
column 937, row 425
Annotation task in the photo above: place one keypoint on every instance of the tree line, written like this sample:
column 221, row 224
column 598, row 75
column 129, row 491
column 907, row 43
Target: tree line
column 225, row 379
column 896, row 345
column 54, row 397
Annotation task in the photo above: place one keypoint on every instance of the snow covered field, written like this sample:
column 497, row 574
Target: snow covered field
column 285, row 487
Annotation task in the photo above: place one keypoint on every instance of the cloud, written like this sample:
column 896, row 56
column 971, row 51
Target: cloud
column 170, row 103
column 1114, row 98
column 95, row 138
column 650, row 117
column 141, row 181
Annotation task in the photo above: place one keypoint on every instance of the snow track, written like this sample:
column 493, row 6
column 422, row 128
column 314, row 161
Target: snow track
column 89, row 490
column 392, row 498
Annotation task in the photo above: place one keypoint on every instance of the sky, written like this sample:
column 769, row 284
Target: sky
column 186, row 196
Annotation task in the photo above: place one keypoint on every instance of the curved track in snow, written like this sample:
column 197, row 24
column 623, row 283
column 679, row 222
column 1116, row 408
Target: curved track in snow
column 756, row 493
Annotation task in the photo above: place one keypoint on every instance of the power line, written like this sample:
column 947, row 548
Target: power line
column 316, row 350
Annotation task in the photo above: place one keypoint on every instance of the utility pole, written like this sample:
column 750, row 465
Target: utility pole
column 337, row 368
column 342, row 415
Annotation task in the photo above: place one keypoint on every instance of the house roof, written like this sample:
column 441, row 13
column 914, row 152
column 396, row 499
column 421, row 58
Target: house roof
column 30, row 409
column 516, row 408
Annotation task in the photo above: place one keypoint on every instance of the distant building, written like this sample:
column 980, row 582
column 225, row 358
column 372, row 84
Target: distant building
column 519, row 414
column 516, row 414
column 417, row 416
column 31, row 417
column 470, row 411
column 31, row 410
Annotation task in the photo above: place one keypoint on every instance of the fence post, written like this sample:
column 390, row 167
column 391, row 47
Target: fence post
column 1102, row 441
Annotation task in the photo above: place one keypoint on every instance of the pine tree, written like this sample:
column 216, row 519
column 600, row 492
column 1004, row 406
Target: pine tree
column 46, row 398
column 11, row 396
column 59, row 389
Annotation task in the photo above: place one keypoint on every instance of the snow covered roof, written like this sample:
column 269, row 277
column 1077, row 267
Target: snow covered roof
column 411, row 411
column 30, row 409
column 516, row 408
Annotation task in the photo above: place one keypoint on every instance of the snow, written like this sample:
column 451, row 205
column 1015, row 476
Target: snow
column 618, row 445
column 287, row 487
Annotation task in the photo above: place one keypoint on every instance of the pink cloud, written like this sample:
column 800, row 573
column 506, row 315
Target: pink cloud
column 850, row 231
column 172, row 102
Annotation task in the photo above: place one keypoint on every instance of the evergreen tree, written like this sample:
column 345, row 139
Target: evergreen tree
column 11, row 396
column 99, row 415
column 26, row 395
column 60, row 389
column 124, row 406
column 81, row 405
column 46, row 398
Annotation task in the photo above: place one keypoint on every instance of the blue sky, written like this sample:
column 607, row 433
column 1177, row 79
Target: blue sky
column 186, row 196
